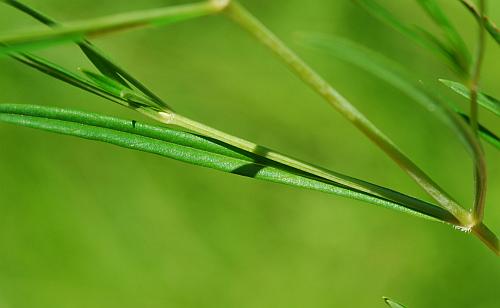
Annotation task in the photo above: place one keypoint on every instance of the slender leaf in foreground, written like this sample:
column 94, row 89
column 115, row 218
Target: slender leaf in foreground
column 392, row 303
column 77, row 31
column 188, row 148
column 488, row 102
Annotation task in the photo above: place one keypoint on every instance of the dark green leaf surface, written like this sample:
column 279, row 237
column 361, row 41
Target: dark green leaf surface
column 188, row 148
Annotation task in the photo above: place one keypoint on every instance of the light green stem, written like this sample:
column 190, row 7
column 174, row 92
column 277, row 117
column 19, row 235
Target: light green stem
column 248, row 22
column 474, row 85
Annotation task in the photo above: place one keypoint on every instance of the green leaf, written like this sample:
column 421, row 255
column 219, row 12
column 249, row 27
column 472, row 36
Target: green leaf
column 114, row 91
column 192, row 149
column 100, row 61
column 490, row 26
column 392, row 303
column 77, row 31
column 488, row 102
column 67, row 76
column 484, row 132
column 432, row 8
column 420, row 36
column 400, row 78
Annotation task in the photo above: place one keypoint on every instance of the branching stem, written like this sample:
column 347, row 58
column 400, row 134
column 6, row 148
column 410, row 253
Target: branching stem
column 248, row 22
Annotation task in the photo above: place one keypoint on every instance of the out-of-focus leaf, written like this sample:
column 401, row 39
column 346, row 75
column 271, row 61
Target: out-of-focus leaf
column 399, row 77
column 484, row 132
column 488, row 102
column 432, row 8
column 422, row 37
column 392, row 303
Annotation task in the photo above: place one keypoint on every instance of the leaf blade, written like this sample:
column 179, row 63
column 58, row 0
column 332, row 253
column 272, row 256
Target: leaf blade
column 184, row 147
column 488, row 102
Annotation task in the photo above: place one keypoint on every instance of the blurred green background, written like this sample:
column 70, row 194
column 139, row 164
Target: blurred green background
column 86, row 224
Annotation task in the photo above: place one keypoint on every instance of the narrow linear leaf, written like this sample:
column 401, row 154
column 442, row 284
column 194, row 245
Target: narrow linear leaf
column 417, row 34
column 114, row 91
column 488, row 102
column 484, row 132
column 432, row 8
column 100, row 61
column 77, row 31
column 392, row 303
column 400, row 78
column 67, row 76
column 185, row 147
column 490, row 26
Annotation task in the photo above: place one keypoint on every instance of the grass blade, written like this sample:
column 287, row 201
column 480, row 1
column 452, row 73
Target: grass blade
column 100, row 61
column 490, row 26
column 396, row 75
column 432, row 8
column 486, row 134
column 189, row 148
column 116, row 92
column 77, row 31
column 488, row 102
column 420, row 36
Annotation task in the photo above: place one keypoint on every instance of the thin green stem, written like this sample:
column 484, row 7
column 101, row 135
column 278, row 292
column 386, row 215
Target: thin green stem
column 476, row 71
column 489, row 238
column 491, row 27
column 248, row 22
column 474, row 85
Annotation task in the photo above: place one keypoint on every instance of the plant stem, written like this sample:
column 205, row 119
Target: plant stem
column 248, row 22
column 489, row 238
column 474, row 85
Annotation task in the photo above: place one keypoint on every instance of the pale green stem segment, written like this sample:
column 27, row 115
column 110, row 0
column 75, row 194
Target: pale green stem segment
column 474, row 85
column 78, row 31
column 248, row 22
column 487, row 237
